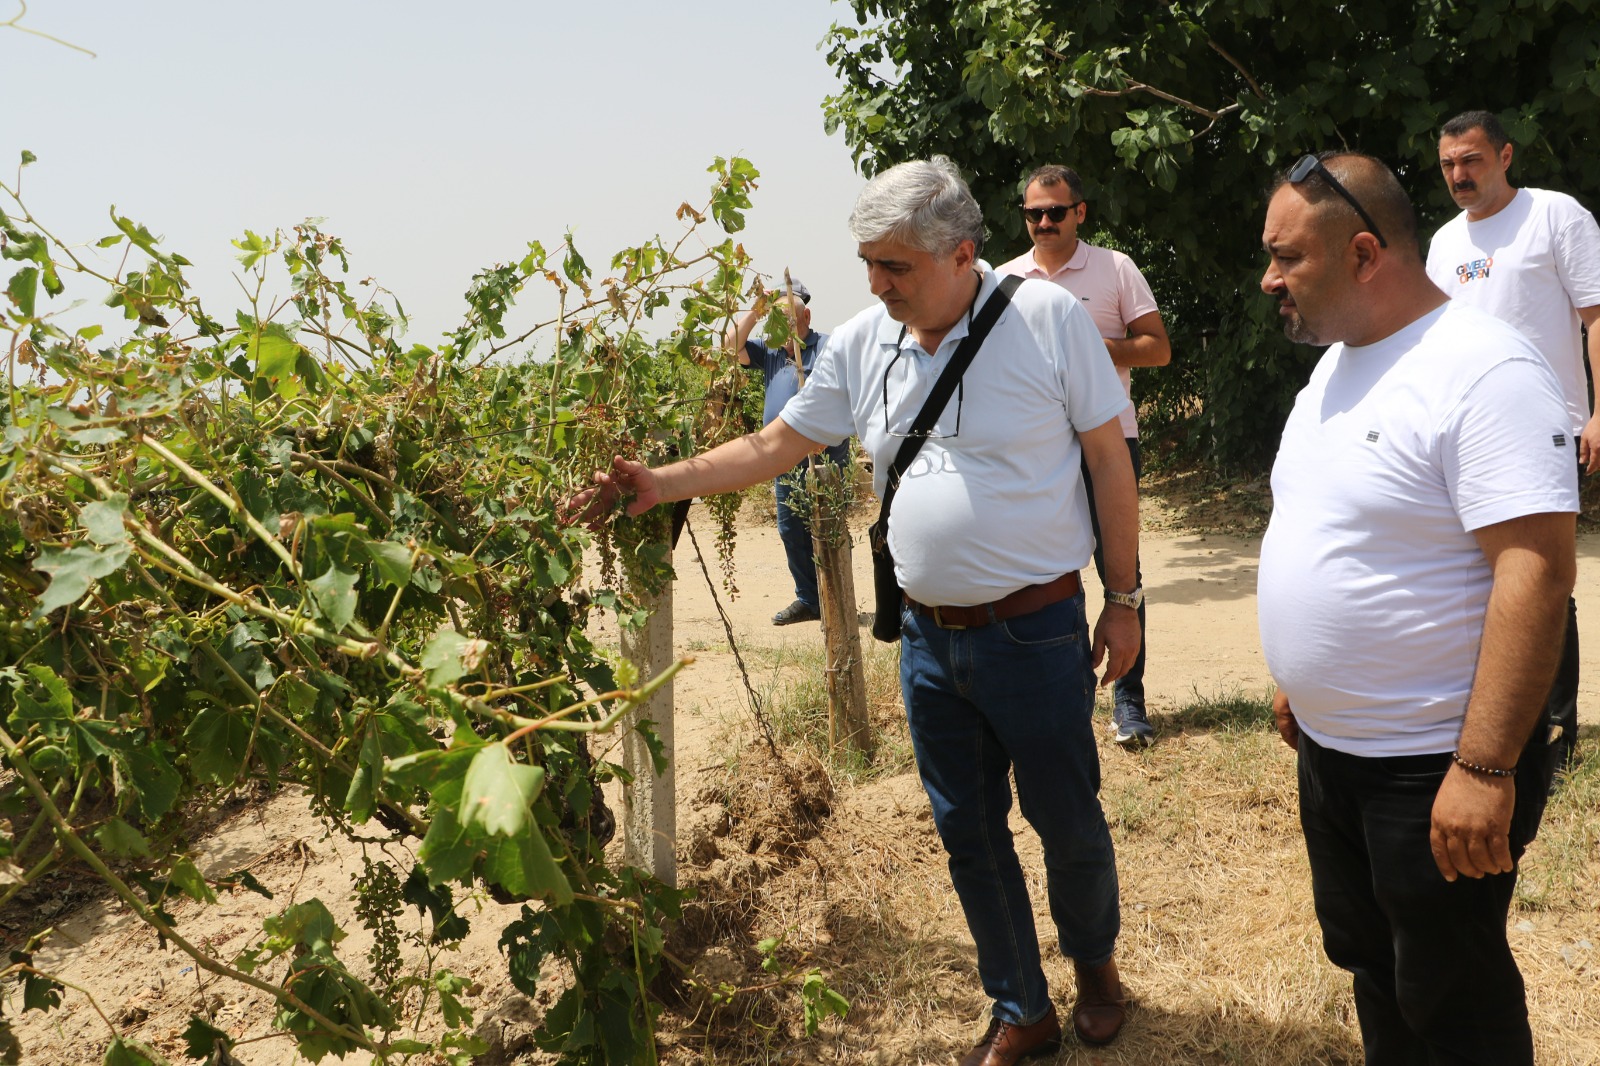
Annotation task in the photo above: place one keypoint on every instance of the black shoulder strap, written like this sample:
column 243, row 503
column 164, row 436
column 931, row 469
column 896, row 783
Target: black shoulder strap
column 945, row 387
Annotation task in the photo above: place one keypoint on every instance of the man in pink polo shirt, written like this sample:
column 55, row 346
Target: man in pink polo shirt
column 1119, row 300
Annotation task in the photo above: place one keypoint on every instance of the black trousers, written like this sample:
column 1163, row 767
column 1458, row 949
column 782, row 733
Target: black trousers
column 1434, row 978
column 1562, row 707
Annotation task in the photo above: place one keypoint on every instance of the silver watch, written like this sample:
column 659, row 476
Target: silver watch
column 1132, row 599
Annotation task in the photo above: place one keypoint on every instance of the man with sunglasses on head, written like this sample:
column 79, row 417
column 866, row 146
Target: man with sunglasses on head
column 988, row 528
column 783, row 369
column 1421, row 544
column 1529, row 257
column 1111, row 288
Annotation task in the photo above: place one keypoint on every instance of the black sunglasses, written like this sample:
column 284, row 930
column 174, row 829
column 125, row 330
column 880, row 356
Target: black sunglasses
column 1310, row 164
column 1056, row 212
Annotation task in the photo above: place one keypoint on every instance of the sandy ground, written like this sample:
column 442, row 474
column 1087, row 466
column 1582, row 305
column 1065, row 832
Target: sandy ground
column 1202, row 640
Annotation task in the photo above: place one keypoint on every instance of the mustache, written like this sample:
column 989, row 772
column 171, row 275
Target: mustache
column 1465, row 186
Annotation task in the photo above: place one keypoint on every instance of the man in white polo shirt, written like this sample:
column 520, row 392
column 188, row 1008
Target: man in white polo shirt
column 1530, row 257
column 1421, row 544
column 1119, row 300
column 988, row 529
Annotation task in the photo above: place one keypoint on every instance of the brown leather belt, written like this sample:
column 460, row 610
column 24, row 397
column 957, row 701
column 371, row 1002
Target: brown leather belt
column 1023, row 601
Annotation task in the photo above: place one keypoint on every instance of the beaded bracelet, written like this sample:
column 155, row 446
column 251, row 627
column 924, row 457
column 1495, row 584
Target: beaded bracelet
column 1478, row 769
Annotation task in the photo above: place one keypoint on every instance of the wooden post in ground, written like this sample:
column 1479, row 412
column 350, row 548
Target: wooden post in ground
column 649, row 803
column 841, row 628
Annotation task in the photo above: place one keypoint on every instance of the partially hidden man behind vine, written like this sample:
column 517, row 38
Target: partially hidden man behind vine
column 1422, row 544
column 784, row 369
column 988, row 531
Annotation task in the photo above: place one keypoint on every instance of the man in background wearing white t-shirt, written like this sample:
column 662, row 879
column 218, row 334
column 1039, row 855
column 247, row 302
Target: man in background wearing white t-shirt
column 1529, row 257
column 1422, row 541
column 1119, row 300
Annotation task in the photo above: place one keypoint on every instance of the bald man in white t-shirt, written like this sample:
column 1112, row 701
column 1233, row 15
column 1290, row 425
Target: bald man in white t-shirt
column 1422, row 542
column 1118, row 299
column 1529, row 257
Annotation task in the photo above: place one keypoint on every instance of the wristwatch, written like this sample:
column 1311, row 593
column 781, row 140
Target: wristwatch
column 1127, row 599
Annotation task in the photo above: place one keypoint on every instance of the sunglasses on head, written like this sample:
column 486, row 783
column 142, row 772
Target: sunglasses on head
column 1309, row 165
column 1055, row 212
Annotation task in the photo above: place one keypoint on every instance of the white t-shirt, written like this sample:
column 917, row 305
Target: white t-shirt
column 1110, row 286
column 1532, row 264
column 994, row 500
column 1372, row 588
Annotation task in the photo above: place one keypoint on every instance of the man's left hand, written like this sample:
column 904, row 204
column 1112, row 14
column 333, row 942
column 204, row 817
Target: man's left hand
column 1116, row 639
column 1471, row 829
column 1589, row 445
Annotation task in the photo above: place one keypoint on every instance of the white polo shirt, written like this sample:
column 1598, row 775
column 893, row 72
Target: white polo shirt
column 1372, row 588
column 994, row 501
column 1533, row 263
column 1113, row 290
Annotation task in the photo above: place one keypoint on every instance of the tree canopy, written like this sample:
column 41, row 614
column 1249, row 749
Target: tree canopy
column 1178, row 114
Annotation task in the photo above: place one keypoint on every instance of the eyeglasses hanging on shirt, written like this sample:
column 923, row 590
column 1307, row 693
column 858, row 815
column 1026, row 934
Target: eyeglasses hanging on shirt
column 906, row 411
column 906, row 408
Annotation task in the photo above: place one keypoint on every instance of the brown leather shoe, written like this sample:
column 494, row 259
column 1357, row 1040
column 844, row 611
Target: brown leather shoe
column 1100, row 1009
column 1005, row 1043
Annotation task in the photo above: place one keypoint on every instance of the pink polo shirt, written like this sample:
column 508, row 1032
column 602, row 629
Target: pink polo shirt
column 1110, row 287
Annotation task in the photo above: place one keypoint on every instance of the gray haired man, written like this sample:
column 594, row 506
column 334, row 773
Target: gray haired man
column 989, row 528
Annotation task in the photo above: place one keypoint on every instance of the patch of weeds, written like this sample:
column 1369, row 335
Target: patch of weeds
column 1557, row 867
column 798, row 710
column 1232, row 711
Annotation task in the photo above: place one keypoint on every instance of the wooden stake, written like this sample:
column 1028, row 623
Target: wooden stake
column 841, row 628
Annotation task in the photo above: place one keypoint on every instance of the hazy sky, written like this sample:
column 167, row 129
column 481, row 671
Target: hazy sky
column 436, row 139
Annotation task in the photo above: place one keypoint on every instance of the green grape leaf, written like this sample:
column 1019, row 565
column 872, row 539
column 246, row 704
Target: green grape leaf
column 335, row 593
column 361, row 799
column 391, row 562
column 497, row 792
column 151, row 778
column 72, row 571
column 216, row 742
column 442, row 658
column 125, row 1052
column 23, row 289
column 122, row 839
column 201, row 1039
column 186, row 877
column 524, row 866
column 103, row 519
column 275, row 353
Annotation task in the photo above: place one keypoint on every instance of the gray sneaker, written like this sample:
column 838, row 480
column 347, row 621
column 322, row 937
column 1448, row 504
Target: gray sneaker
column 1130, row 727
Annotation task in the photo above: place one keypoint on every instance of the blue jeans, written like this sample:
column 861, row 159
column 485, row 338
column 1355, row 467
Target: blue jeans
column 1434, row 979
column 1127, row 690
column 794, row 528
column 981, row 702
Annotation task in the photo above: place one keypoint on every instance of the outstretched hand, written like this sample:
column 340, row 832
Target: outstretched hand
column 627, row 480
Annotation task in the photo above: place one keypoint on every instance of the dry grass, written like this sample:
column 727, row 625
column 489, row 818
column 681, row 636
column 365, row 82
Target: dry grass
column 1219, row 946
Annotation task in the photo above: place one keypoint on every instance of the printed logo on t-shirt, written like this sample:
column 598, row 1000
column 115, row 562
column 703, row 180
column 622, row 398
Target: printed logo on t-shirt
column 1372, row 436
column 1560, row 439
column 1474, row 269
